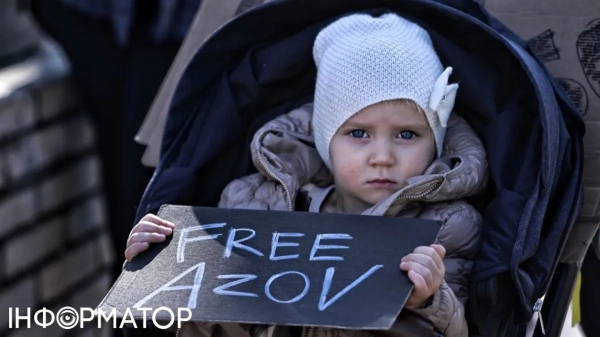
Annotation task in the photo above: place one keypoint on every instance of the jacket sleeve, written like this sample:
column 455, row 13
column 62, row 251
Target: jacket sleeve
column 446, row 313
column 253, row 192
column 460, row 235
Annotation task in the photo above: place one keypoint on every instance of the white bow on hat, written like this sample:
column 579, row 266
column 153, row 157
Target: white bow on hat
column 443, row 97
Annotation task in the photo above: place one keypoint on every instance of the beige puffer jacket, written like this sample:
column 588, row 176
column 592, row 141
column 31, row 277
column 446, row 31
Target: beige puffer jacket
column 284, row 153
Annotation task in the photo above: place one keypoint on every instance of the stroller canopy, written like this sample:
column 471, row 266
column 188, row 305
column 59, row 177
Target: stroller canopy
column 259, row 65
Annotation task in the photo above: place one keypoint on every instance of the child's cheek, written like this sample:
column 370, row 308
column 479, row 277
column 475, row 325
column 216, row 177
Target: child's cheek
column 351, row 171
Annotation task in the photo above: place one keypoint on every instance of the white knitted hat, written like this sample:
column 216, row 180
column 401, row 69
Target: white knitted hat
column 364, row 60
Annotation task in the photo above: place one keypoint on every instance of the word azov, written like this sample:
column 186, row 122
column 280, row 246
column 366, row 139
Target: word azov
column 234, row 242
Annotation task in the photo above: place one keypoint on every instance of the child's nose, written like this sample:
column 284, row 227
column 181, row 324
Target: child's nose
column 382, row 155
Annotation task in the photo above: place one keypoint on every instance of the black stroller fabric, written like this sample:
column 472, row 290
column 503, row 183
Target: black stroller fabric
column 260, row 65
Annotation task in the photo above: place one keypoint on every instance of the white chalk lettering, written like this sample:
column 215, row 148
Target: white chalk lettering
column 317, row 245
column 295, row 299
column 275, row 243
column 232, row 242
column 195, row 288
column 183, row 238
column 221, row 290
column 323, row 303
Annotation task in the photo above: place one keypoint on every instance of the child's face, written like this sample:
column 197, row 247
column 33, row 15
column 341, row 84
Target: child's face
column 377, row 150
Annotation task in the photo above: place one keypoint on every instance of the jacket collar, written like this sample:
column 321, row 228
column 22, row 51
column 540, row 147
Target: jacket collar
column 283, row 150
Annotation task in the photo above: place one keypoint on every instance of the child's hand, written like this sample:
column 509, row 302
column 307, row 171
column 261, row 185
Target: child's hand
column 150, row 229
column 426, row 271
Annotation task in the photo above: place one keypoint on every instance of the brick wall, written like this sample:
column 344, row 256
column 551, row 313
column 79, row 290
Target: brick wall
column 54, row 247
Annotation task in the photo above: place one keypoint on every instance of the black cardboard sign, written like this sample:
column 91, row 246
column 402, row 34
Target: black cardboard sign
column 268, row 267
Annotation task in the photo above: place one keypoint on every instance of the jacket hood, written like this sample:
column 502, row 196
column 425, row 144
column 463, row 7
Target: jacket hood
column 284, row 150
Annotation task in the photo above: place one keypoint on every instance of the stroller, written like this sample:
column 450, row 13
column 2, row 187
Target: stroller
column 259, row 65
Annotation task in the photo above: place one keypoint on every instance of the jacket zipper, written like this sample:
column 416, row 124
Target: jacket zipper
column 274, row 176
column 538, row 308
column 422, row 194
column 416, row 196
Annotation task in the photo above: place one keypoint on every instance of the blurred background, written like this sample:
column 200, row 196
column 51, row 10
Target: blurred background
column 76, row 80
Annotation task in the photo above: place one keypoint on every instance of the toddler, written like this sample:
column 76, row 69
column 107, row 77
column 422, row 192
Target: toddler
column 379, row 139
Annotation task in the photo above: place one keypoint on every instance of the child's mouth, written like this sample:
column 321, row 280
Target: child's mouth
column 382, row 183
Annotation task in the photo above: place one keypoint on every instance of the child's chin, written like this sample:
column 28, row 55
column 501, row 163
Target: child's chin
column 378, row 196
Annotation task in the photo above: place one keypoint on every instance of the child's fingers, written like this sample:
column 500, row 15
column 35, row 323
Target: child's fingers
column 418, row 268
column 441, row 250
column 418, row 281
column 423, row 259
column 155, row 219
column 432, row 253
column 134, row 249
column 145, row 237
column 150, row 227
column 431, row 262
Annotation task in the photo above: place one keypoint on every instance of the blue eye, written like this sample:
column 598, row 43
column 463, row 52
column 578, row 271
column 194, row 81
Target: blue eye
column 407, row 135
column 358, row 133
